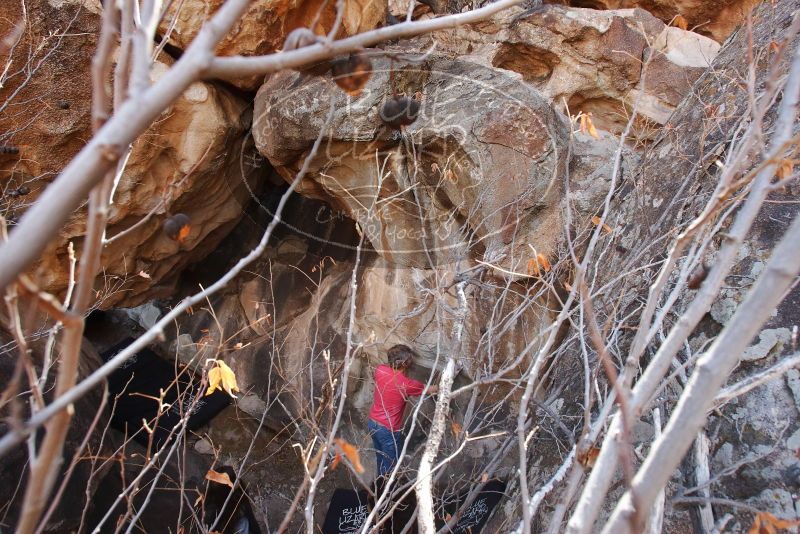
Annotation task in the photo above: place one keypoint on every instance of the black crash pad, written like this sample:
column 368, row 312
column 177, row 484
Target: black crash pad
column 474, row 518
column 347, row 511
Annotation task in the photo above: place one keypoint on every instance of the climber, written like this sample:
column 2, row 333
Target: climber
column 392, row 388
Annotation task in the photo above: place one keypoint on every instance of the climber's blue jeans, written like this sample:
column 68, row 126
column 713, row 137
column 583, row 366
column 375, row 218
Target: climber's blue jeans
column 388, row 445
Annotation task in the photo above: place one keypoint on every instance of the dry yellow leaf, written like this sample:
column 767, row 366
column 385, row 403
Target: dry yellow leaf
column 221, row 377
column 351, row 452
column 537, row 264
column 219, row 478
column 680, row 22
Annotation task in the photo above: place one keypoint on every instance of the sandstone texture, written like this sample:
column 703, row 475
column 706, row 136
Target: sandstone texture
column 716, row 19
column 494, row 173
column 193, row 160
column 485, row 150
column 601, row 62
column 266, row 23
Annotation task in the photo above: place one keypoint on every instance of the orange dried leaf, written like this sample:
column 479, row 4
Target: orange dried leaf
column 680, row 22
column 351, row 452
column 456, row 428
column 775, row 47
column 590, row 127
column 533, row 267
column 336, row 460
column 597, row 222
column 544, row 262
column 766, row 523
column 785, row 169
column 183, row 233
column 219, row 478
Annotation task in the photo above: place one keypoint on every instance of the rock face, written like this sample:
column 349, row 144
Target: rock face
column 754, row 438
column 189, row 161
column 265, row 25
column 392, row 305
column 468, row 187
column 599, row 62
column 716, row 19
column 486, row 160
column 470, row 192
column 283, row 329
column 79, row 489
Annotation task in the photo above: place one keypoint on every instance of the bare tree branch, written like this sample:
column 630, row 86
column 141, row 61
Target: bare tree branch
column 713, row 368
column 43, row 219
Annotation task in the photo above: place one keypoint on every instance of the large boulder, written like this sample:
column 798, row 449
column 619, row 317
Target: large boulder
column 476, row 174
column 717, row 19
column 601, row 62
column 189, row 161
column 265, row 25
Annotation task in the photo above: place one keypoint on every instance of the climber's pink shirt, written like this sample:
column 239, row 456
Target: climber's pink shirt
column 392, row 388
